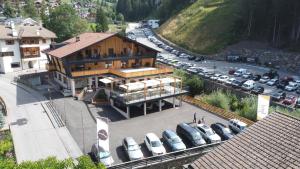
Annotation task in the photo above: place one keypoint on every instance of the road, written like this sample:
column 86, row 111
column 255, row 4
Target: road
column 33, row 134
column 221, row 67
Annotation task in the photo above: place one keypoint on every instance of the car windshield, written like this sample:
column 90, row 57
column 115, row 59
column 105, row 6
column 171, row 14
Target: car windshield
column 227, row 131
column 176, row 140
column 104, row 154
column 209, row 132
column 196, row 136
column 155, row 143
column 133, row 147
column 242, row 127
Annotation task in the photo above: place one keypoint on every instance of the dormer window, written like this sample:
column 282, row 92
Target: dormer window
column 10, row 42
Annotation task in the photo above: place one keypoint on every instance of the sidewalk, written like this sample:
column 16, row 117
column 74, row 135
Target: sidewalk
column 33, row 134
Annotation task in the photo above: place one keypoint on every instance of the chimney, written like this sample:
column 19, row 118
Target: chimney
column 77, row 38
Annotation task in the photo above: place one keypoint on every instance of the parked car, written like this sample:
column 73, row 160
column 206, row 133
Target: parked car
column 273, row 82
column 229, row 81
column 199, row 59
column 282, row 84
column 256, row 77
column 237, row 126
column 192, row 57
column 297, row 105
column 264, row 79
column 237, row 83
column 190, row 134
column 247, row 75
column 258, row 90
column 289, row 100
column 231, row 71
column 132, row 149
column 102, row 156
column 173, row 140
column 66, row 92
column 248, row 85
column 240, row 72
column 298, row 90
column 215, row 77
column 278, row 96
column 223, row 78
column 224, row 132
column 208, row 134
column 291, row 87
column 208, row 75
column 154, row 145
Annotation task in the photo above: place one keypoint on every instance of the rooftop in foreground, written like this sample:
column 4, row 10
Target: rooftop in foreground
column 270, row 143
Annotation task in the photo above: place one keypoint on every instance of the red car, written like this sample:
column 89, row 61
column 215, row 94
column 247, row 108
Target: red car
column 289, row 100
column 231, row 71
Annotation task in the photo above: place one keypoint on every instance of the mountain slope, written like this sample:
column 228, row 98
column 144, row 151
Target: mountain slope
column 203, row 28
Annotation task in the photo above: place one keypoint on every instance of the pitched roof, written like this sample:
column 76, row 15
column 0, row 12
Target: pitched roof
column 86, row 39
column 273, row 142
column 24, row 31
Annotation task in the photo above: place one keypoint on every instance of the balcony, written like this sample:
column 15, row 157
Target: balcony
column 125, row 73
column 50, row 67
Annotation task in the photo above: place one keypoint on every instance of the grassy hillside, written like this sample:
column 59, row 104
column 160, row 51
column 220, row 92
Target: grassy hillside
column 204, row 27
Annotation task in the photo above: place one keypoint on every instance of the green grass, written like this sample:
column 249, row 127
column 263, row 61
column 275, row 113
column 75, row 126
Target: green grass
column 203, row 28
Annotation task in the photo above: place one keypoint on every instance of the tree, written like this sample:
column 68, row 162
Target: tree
column 30, row 10
column 65, row 22
column 8, row 10
column 43, row 13
column 195, row 85
column 101, row 21
column 120, row 17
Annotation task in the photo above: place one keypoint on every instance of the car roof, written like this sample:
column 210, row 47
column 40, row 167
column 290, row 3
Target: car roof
column 238, row 122
column 220, row 124
column 170, row 133
column 130, row 141
column 187, row 127
column 152, row 136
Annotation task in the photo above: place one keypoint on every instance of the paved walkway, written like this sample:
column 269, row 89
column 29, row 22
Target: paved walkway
column 33, row 134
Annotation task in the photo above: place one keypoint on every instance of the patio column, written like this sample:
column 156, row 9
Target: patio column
column 128, row 112
column 90, row 82
column 96, row 82
column 72, row 81
column 159, row 105
column 174, row 105
column 145, row 109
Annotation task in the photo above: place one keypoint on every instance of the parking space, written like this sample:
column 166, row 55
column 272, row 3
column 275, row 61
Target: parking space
column 156, row 122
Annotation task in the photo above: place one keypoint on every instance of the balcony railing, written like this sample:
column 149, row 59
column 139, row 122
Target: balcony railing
column 118, row 72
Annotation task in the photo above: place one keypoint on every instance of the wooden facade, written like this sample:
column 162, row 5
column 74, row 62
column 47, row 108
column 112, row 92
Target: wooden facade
column 113, row 53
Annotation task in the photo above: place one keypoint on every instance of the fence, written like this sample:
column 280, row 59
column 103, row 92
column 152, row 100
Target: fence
column 151, row 161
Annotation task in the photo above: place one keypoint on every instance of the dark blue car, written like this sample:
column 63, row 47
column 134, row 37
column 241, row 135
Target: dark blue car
column 223, row 131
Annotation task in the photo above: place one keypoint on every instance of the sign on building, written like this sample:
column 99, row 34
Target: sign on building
column 263, row 106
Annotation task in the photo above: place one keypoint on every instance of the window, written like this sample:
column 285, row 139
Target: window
column 59, row 77
column 108, row 64
column 110, row 52
column 15, row 64
column 65, row 80
column 9, row 42
column 44, row 41
column 3, row 54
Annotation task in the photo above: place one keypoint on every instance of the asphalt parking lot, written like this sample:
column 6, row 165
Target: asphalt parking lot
column 157, row 122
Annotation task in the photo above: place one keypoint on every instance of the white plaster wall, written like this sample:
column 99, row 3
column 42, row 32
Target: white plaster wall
column 7, row 60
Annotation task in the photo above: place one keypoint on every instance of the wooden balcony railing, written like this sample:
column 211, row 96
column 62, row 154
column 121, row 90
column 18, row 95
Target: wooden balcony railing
column 50, row 67
column 160, row 70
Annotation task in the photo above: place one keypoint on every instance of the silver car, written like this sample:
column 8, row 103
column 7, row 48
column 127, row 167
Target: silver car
column 132, row 149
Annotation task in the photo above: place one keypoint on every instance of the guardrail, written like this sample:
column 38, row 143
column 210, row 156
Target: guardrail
column 166, row 157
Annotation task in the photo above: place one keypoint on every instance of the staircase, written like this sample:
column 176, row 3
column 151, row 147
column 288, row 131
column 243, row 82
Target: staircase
column 53, row 115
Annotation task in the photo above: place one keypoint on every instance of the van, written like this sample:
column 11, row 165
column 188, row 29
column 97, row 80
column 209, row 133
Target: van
column 190, row 135
column 248, row 85
column 240, row 72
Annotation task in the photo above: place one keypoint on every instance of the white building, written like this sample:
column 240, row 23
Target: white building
column 153, row 23
column 21, row 46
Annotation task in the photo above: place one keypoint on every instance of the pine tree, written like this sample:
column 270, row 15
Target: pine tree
column 8, row 10
column 30, row 10
column 101, row 21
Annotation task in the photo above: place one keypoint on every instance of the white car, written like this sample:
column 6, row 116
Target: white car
column 272, row 82
column 132, row 149
column 208, row 133
column 229, row 81
column 154, row 144
column 264, row 79
column 291, row 87
column 248, row 85
column 236, row 125
column 102, row 156
column 223, row 78
column 215, row 77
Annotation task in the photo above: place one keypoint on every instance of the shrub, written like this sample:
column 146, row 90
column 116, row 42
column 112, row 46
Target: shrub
column 6, row 145
column 218, row 99
column 248, row 108
column 195, row 85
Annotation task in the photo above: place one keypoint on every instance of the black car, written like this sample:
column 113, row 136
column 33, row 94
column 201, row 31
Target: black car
column 297, row 105
column 258, row 90
column 192, row 57
column 278, row 96
column 256, row 77
column 190, row 135
column 236, row 83
column 281, row 85
column 199, row 59
column 223, row 131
